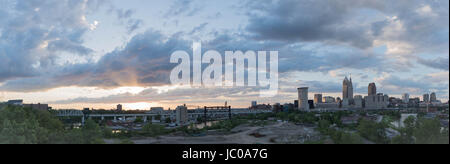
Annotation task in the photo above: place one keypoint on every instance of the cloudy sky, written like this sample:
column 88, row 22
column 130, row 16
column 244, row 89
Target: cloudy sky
column 99, row 53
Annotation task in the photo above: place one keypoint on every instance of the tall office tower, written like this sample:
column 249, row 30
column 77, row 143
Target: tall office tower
column 372, row 89
column 119, row 107
column 347, row 89
column 433, row 97
column 318, row 98
column 405, row 98
column 426, row 97
column 303, row 99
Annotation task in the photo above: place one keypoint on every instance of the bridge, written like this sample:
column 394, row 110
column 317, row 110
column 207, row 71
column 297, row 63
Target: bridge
column 192, row 114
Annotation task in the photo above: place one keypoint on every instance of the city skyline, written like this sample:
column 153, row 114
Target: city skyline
column 105, row 53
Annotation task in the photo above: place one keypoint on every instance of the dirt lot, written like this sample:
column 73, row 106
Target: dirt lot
column 274, row 133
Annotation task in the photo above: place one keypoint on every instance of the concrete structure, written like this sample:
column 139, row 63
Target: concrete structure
column 318, row 98
column 303, row 99
column 181, row 115
column 405, row 98
column 119, row 107
column 433, row 97
column 372, row 89
column 426, row 98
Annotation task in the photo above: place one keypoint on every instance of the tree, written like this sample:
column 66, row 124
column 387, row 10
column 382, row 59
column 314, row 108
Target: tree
column 154, row 130
column 428, row 131
column 20, row 125
column 92, row 133
column 373, row 131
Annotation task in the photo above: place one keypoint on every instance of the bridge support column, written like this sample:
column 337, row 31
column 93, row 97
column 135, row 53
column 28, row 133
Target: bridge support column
column 103, row 118
column 115, row 118
column 153, row 118
column 145, row 119
column 82, row 120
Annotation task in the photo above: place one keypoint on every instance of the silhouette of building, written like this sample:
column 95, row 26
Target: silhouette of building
column 119, row 107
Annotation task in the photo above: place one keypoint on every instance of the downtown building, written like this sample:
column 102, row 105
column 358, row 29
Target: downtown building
column 347, row 92
column 375, row 100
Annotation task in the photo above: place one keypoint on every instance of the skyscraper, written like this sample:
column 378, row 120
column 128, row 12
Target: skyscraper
column 433, row 97
column 303, row 99
column 347, row 89
column 372, row 89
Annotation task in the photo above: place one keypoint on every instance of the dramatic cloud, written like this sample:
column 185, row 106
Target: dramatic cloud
column 143, row 62
column 407, row 28
column 34, row 32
